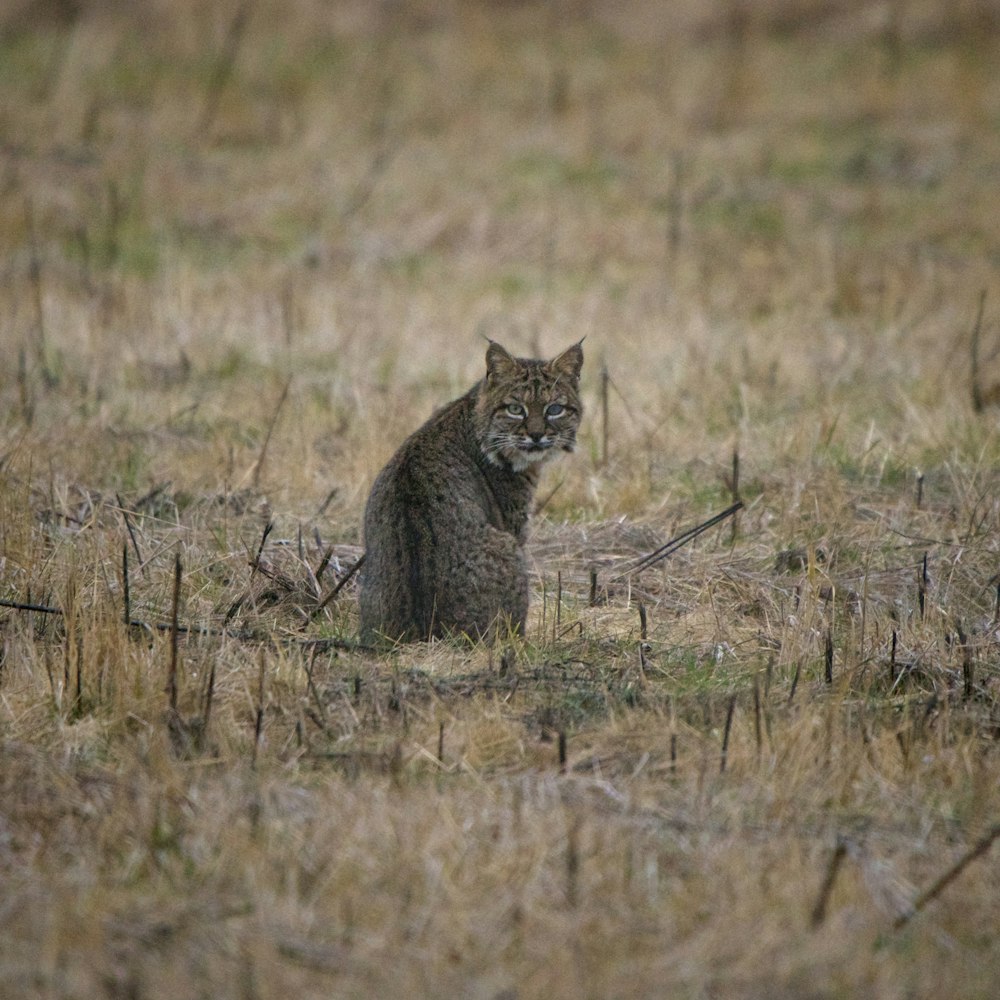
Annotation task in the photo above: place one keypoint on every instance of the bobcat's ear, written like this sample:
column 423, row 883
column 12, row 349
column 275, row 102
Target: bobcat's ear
column 498, row 361
column 570, row 362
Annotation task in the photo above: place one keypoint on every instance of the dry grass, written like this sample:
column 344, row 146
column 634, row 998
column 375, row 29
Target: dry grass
column 247, row 248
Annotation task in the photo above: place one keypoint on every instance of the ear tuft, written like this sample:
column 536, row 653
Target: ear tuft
column 570, row 362
column 498, row 361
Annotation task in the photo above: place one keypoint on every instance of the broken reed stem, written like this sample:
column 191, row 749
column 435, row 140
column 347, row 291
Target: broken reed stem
column 126, row 598
column 24, row 388
column 605, row 417
column 828, row 657
column 223, row 68
column 826, row 889
column 326, row 503
column 642, row 622
column 255, row 565
column 340, row 584
column 678, row 541
column 131, row 532
column 977, row 390
column 562, row 751
column 967, row 667
column 209, row 696
column 312, row 689
column 922, row 586
column 593, row 589
column 323, row 563
column 258, row 728
column 735, row 490
column 725, row 734
column 558, row 600
column 544, row 502
column 441, row 743
column 795, row 682
column 37, row 293
column 573, row 861
column 920, row 490
column 270, row 430
column 940, row 884
column 174, row 629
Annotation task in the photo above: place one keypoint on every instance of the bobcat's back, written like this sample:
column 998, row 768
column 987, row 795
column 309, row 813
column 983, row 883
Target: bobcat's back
column 445, row 521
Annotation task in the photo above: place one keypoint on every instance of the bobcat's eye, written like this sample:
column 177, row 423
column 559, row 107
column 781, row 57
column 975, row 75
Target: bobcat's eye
column 555, row 410
column 516, row 410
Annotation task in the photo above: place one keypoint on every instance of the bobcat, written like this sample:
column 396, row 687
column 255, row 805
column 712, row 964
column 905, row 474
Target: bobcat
column 446, row 518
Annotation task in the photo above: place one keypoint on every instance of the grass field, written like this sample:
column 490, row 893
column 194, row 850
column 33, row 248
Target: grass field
column 246, row 248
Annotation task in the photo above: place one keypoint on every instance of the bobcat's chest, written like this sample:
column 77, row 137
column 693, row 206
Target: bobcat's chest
column 506, row 498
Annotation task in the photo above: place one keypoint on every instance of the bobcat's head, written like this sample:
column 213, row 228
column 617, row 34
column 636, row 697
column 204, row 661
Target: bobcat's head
column 528, row 410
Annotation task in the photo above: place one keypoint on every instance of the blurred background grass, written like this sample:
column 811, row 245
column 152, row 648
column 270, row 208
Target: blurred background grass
column 246, row 247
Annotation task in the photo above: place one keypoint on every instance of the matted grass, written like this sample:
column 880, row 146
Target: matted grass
column 246, row 249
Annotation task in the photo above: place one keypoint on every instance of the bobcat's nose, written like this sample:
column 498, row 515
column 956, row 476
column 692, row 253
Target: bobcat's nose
column 536, row 436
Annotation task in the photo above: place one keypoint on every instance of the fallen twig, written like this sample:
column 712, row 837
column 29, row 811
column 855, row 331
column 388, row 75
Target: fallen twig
column 678, row 541
column 340, row 585
column 976, row 851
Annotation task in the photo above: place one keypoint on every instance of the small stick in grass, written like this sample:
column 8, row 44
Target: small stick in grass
column 259, row 465
column 127, row 614
column 795, row 682
column 24, row 388
column 340, row 584
column 174, row 614
column 562, row 751
column 822, row 901
column 209, row 695
column 544, row 502
column 642, row 622
column 828, row 657
column 323, row 563
column 558, row 599
column 593, row 589
column 258, row 728
column 223, row 68
column 573, row 861
column 441, row 743
column 35, row 274
column 725, row 734
column 312, row 689
column 605, row 417
column 922, row 586
column 131, row 532
column 678, row 541
column 939, row 885
column 967, row 668
column 920, row 489
column 734, row 486
column 326, row 503
column 977, row 390
column 268, row 528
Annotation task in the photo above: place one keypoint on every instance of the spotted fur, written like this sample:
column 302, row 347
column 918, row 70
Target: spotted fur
column 446, row 518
